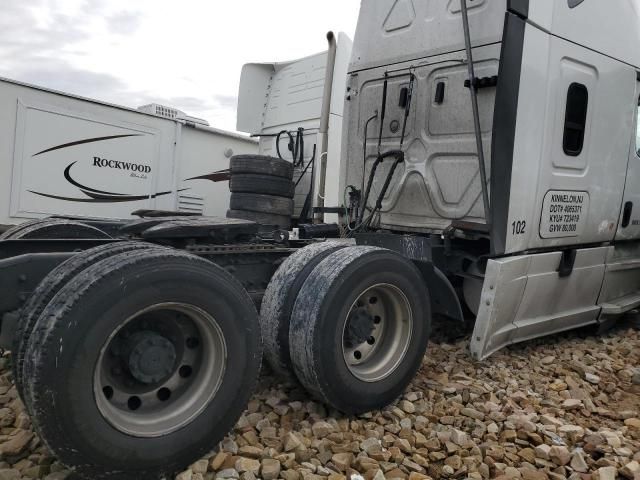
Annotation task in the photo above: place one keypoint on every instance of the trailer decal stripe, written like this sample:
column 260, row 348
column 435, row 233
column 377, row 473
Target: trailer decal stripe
column 220, row 176
column 99, row 196
column 88, row 140
column 104, row 199
column 67, row 176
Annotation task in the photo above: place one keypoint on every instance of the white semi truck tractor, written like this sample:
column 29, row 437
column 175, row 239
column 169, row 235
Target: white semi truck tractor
column 489, row 168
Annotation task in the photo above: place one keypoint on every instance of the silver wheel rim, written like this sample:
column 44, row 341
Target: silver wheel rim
column 160, row 369
column 377, row 332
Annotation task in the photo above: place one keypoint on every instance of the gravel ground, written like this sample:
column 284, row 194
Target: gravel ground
column 565, row 407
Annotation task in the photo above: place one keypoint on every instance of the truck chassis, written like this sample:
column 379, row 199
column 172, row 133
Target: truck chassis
column 139, row 330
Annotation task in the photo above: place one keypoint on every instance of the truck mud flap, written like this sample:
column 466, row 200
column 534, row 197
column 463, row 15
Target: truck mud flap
column 525, row 297
column 19, row 276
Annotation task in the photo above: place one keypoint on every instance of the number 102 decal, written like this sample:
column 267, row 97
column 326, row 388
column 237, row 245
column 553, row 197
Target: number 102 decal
column 519, row 227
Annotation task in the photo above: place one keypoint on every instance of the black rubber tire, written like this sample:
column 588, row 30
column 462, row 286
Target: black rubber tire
column 279, row 299
column 280, row 221
column 8, row 233
column 264, row 184
column 48, row 288
column 319, row 318
column 55, row 229
column 66, row 343
column 254, row 202
column 262, row 165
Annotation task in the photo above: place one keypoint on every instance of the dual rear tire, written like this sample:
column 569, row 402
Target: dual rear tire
column 279, row 301
column 47, row 290
column 358, row 329
column 130, row 367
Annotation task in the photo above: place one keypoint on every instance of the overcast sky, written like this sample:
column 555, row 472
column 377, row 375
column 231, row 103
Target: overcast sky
column 183, row 53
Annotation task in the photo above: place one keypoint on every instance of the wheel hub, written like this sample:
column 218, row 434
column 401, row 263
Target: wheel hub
column 160, row 369
column 152, row 357
column 377, row 332
column 360, row 326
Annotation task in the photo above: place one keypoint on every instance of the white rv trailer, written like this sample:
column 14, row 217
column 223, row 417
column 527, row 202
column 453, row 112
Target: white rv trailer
column 65, row 155
column 282, row 102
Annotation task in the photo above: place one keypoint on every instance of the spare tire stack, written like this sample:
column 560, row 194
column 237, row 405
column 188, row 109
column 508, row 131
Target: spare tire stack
column 262, row 190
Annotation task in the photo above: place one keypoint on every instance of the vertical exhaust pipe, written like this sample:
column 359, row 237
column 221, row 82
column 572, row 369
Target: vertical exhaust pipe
column 324, row 123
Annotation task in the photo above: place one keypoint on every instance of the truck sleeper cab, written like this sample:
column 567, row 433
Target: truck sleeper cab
column 558, row 108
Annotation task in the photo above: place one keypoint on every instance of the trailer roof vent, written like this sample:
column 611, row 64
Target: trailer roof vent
column 161, row 111
column 171, row 113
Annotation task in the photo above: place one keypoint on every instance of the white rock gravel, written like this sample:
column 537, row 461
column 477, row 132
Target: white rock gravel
column 561, row 408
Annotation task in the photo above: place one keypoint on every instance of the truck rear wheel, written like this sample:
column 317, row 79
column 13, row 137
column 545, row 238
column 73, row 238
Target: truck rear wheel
column 48, row 288
column 279, row 298
column 133, row 368
column 53, row 229
column 360, row 328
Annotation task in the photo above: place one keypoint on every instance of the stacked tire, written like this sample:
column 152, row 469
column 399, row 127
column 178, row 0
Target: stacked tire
column 262, row 190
